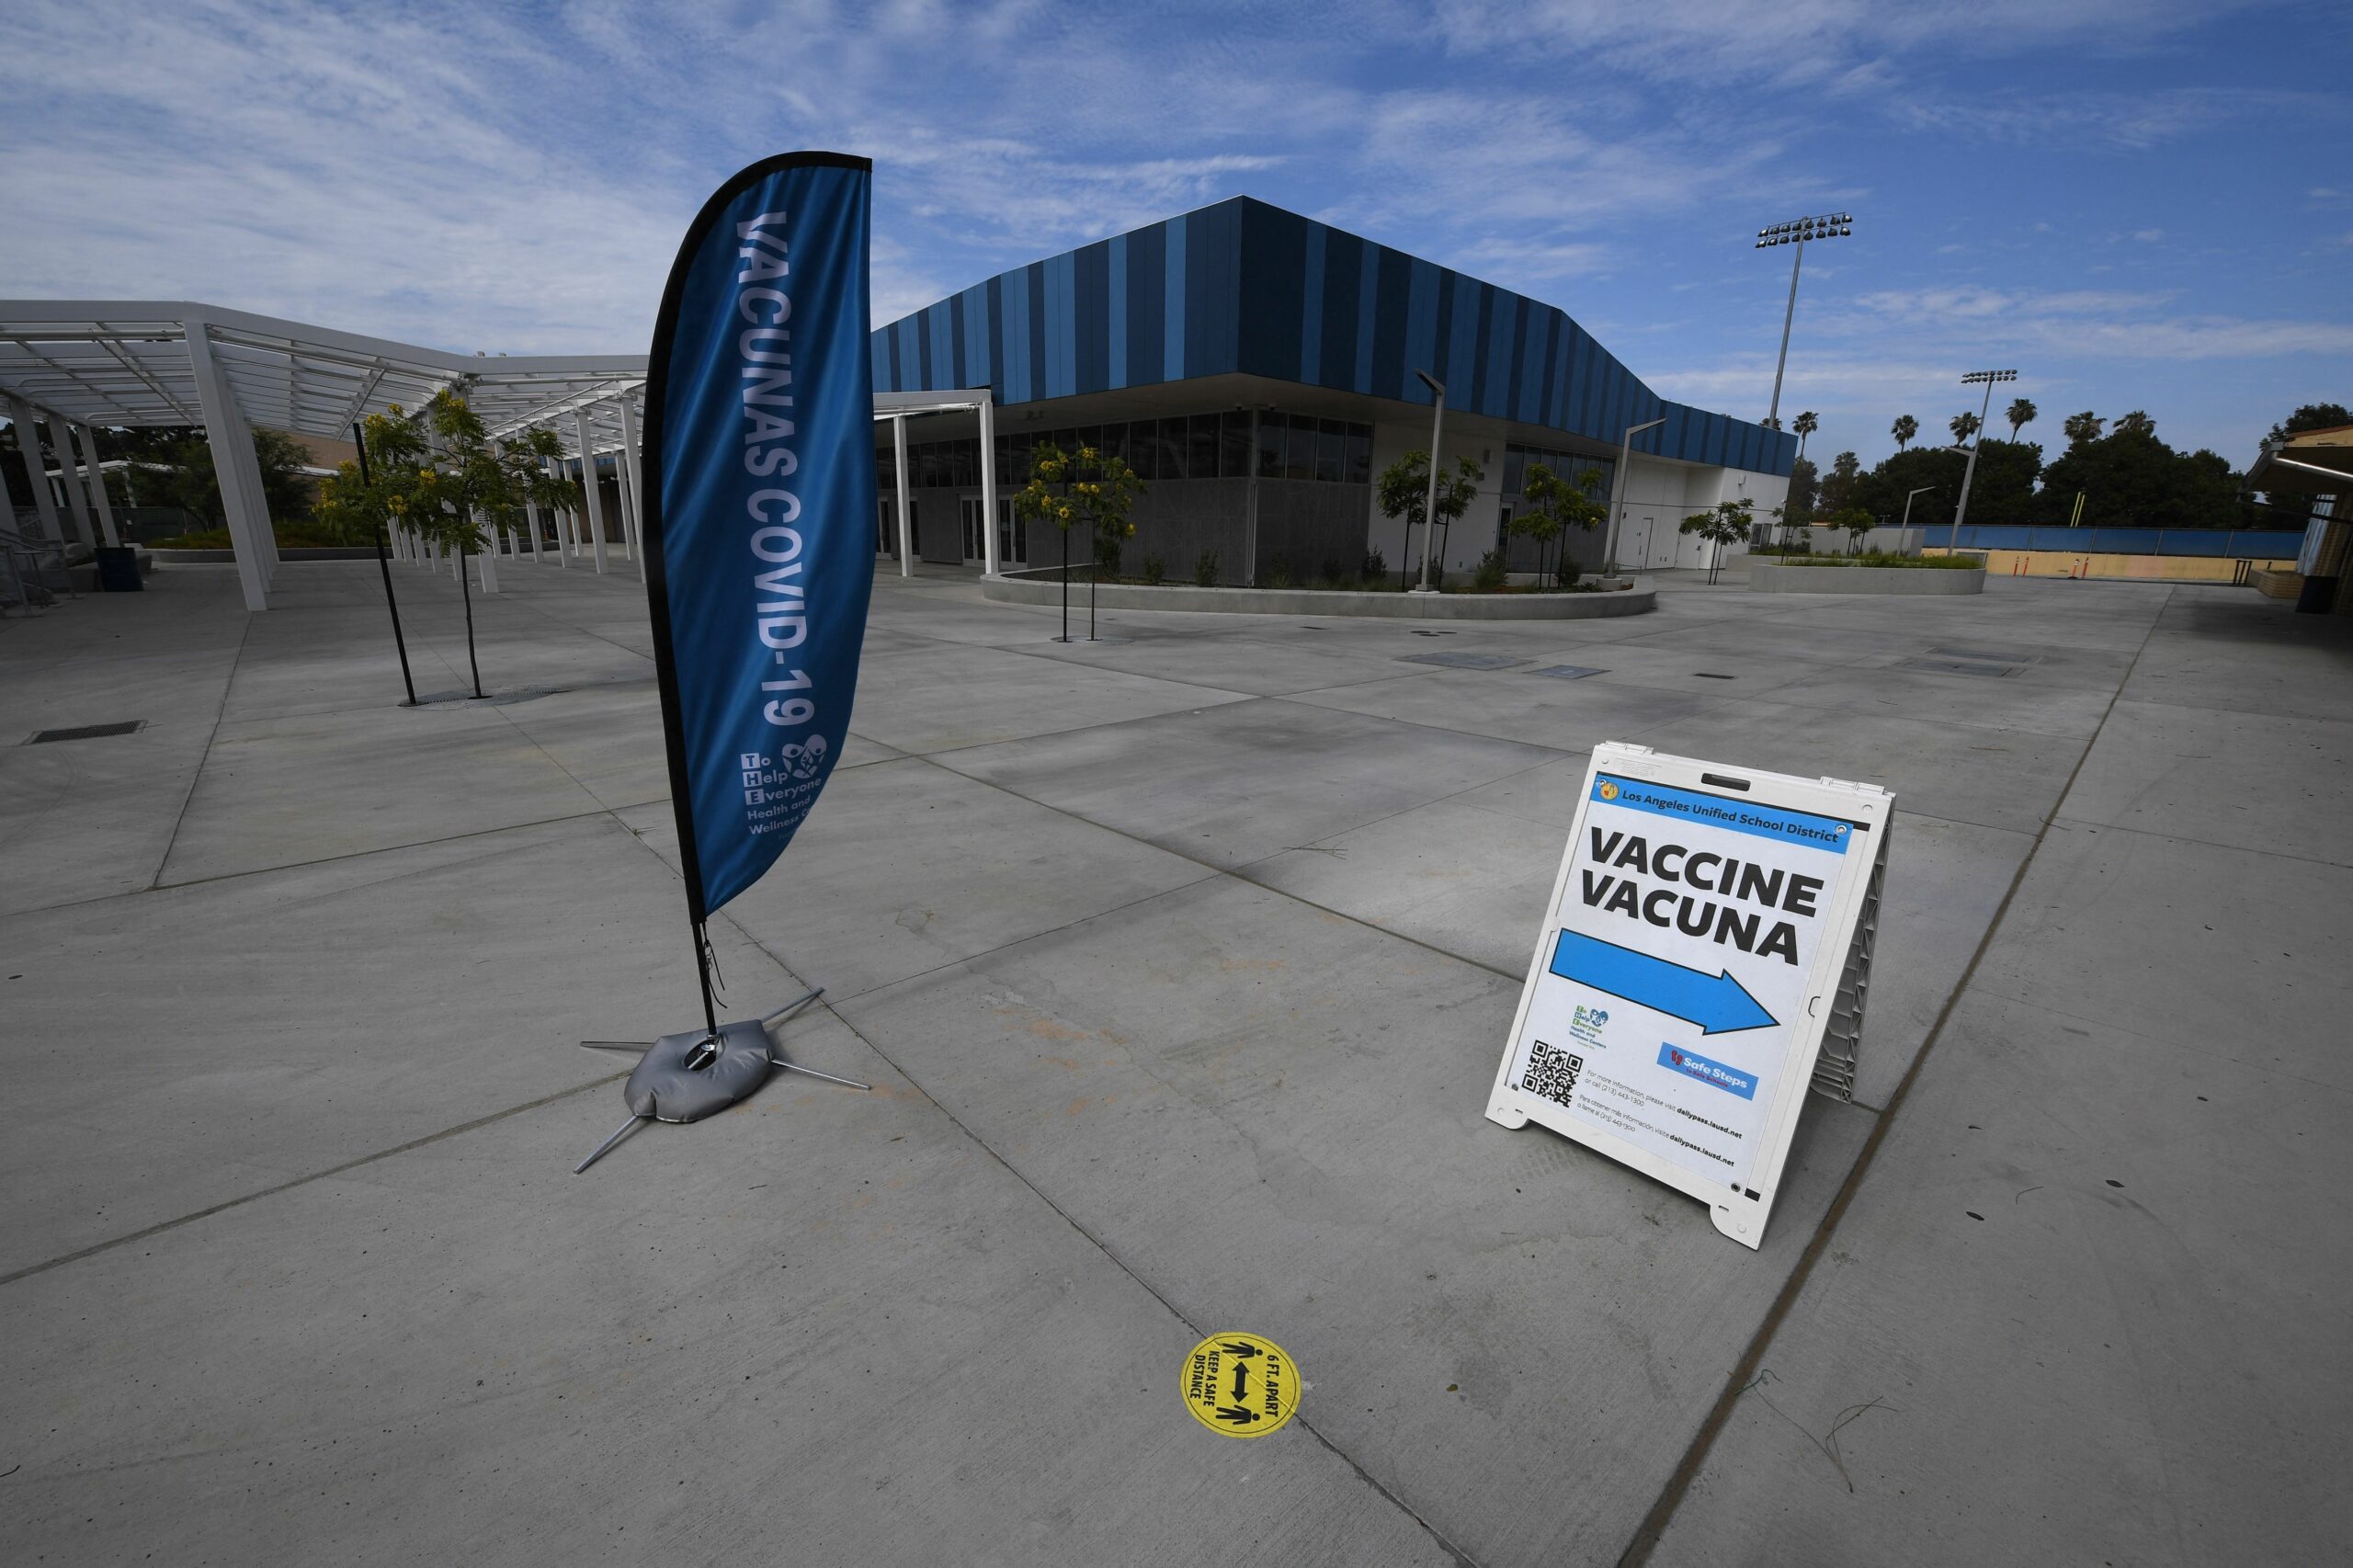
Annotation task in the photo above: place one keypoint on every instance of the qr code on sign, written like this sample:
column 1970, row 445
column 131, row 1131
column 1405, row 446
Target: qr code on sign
column 1550, row 1073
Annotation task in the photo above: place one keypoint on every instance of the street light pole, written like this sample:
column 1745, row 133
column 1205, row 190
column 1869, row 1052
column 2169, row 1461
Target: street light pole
column 1829, row 226
column 1429, row 506
column 1618, row 495
column 1907, row 509
column 1969, row 472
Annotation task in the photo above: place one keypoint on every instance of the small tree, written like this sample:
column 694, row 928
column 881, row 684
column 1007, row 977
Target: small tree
column 1904, row 428
column 1727, row 522
column 1856, row 522
column 1555, row 505
column 1067, row 489
column 1404, row 492
column 445, row 495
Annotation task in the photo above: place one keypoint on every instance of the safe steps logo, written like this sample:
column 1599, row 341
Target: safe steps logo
column 1242, row 1385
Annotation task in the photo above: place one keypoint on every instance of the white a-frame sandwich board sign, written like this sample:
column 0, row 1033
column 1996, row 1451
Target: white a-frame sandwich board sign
column 1708, row 926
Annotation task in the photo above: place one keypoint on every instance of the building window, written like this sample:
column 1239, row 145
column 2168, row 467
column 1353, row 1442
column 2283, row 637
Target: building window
column 1170, row 440
column 1233, row 444
column 1202, row 446
column 1271, row 426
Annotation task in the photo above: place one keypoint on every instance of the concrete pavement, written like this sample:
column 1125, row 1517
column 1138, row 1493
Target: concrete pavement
column 1181, row 965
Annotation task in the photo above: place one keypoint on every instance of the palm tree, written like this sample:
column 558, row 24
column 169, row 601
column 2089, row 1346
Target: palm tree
column 2136, row 422
column 1804, row 424
column 1964, row 426
column 2084, row 427
column 2021, row 415
column 1903, row 430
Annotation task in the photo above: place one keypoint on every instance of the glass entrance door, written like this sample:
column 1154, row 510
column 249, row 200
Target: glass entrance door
column 975, row 540
column 886, row 526
column 1012, row 533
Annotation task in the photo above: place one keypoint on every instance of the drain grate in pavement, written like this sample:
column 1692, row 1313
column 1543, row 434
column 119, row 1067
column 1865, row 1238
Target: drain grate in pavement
column 87, row 731
column 1418, row 632
column 1569, row 672
column 1711, row 674
column 1956, row 668
column 1464, row 660
column 1990, row 655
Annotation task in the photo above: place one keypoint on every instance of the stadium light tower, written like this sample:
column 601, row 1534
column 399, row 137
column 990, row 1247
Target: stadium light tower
column 1830, row 226
column 1990, row 379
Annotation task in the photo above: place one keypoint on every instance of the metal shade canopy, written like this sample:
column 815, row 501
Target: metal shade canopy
column 82, row 363
column 128, row 362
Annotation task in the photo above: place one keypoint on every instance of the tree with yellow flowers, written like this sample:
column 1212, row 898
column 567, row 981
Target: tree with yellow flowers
column 438, row 473
column 1068, row 489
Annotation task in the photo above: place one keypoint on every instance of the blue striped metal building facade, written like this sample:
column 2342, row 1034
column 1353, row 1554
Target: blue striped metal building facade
column 1245, row 288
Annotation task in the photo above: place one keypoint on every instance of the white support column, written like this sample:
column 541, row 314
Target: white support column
column 531, row 521
column 78, row 434
column 596, row 490
column 488, row 557
column 36, row 469
column 629, row 549
column 61, row 436
column 562, row 520
column 633, row 485
column 250, row 466
column 222, row 429
column 575, row 529
column 98, row 486
column 906, row 523
column 990, row 562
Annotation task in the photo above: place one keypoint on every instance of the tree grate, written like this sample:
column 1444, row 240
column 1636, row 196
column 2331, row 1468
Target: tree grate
column 87, row 731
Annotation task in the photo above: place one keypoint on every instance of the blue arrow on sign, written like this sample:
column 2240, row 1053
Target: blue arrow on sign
column 1717, row 1002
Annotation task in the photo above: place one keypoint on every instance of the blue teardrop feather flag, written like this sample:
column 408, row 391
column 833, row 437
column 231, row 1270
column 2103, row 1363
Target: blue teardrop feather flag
column 759, row 508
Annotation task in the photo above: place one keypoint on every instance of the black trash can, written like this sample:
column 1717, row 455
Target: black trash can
column 119, row 569
column 2318, row 596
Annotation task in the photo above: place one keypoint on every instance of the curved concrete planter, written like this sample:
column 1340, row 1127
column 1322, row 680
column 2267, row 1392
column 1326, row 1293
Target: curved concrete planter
column 1764, row 579
column 1328, row 601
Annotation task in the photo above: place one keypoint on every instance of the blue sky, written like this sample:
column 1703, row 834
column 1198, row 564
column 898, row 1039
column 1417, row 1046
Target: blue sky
column 2138, row 203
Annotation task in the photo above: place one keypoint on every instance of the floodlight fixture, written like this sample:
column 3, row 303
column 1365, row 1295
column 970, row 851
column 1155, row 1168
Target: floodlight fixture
column 1829, row 226
column 1797, row 232
column 1988, row 380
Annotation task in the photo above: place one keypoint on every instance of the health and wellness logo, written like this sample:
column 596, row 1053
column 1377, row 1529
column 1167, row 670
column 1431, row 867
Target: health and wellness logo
column 1691, row 1065
column 1586, row 1024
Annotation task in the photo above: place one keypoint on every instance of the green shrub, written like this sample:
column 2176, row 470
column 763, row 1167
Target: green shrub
column 1374, row 569
column 1330, row 575
column 1278, row 572
column 1887, row 558
column 1567, row 572
column 1493, row 570
column 1153, row 570
column 1205, row 569
column 1110, row 552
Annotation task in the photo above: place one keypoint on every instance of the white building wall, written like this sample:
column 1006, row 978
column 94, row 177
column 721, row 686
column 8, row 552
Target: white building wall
column 1659, row 496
